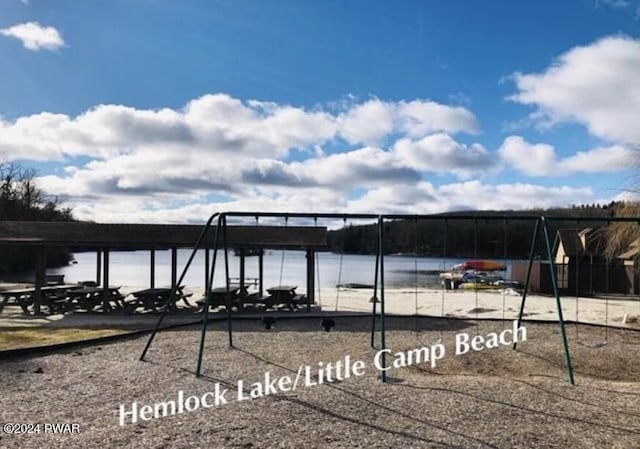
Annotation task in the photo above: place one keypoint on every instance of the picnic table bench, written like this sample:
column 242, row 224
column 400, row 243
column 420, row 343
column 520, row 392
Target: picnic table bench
column 156, row 298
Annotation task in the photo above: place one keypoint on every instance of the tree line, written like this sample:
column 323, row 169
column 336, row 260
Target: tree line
column 466, row 236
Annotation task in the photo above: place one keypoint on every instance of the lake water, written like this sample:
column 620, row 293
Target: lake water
column 280, row 267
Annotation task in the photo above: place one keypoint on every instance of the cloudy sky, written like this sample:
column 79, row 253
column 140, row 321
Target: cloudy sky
column 168, row 110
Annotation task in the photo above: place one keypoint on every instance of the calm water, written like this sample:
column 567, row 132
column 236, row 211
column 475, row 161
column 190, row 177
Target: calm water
column 132, row 268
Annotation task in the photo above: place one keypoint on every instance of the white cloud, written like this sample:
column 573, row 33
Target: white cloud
column 541, row 160
column 220, row 153
column 441, row 153
column 472, row 195
column 532, row 159
column 601, row 159
column 35, row 36
column 367, row 123
column 475, row 195
column 363, row 167
column 629, row 196
column 217, row 124
column 595, row 85
column 417, row 198
column 418, row 118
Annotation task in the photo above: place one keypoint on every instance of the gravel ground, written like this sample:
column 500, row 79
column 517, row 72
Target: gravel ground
column 494, row 398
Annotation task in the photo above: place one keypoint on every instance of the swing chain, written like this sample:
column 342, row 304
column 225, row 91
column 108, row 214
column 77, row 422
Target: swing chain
column 344, row 226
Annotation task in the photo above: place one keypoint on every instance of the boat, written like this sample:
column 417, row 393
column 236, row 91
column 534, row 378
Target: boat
column 477, row 286
column 473, row 273
column 480, row 265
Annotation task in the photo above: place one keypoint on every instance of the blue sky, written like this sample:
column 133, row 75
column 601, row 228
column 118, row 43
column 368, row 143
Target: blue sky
column 149, row 110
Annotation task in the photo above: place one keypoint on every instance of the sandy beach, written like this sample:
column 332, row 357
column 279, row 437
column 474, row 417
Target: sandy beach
column 488, row 304
column 481, row 304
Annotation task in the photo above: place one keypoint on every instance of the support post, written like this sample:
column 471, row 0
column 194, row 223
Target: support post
column 174, row 267
column 152, row 268
column 242, row 273
column 99, row 268
column 375, row 300
column 554, row 282
column 311, row 280
column 40, row 278
column 383, row 345
column 261, row 272
column 105, row 278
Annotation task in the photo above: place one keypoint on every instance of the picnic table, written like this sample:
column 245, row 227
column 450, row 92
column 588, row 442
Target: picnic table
column 218, row 297
column 283, row 294
column 21, row 297
column 88, row 298
column 156, row 298
column 58, row 299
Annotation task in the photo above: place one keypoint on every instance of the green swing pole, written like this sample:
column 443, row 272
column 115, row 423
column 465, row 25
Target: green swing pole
column 207, row 300
column 528, row 278
column 226, row 275
column 554, row 282
column 375, row 301
column 172, row 295
column 383, row 375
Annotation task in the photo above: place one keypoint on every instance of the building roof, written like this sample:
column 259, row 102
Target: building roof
column 587, row 241
column 143, row 236
column 570, row 241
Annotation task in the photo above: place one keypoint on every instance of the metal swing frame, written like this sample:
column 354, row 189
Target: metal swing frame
column 221, row 233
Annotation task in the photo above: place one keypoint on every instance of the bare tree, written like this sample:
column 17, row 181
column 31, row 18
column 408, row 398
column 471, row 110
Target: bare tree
column 22, row 199
column 620, row 235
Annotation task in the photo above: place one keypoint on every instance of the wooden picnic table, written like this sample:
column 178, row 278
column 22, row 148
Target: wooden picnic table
column 218, row 297
column 21, row 297
column 156, row 298
column 283, row 294
column 88, row 298
column 55, row 298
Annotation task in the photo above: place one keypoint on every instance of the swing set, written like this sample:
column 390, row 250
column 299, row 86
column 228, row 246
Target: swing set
column 221, row 243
